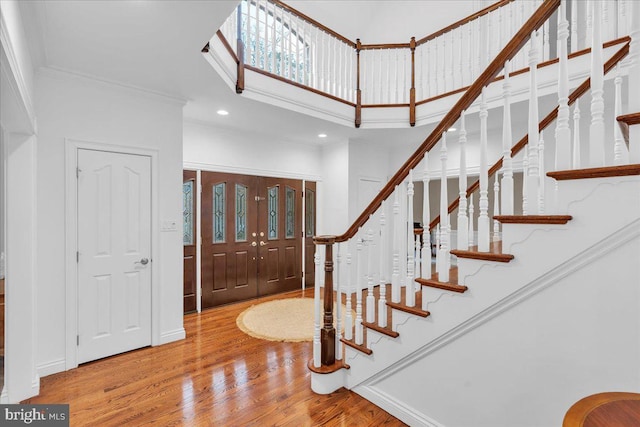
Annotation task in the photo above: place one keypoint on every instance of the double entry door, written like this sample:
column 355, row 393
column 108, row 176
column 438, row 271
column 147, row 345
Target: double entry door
column 252, row 237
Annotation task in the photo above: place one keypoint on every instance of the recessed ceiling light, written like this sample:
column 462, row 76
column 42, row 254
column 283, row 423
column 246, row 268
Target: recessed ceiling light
column 322, row 135
column 222, row 112
column 452, row 129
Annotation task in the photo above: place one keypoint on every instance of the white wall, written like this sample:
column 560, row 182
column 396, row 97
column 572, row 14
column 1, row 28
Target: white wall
column 71, row 107
column 528, row 365
column 226, row 150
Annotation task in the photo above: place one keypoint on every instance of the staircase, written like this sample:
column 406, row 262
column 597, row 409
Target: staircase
column 536, row 307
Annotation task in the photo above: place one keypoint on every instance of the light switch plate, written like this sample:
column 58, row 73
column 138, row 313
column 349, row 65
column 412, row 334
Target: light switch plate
column 169, row 225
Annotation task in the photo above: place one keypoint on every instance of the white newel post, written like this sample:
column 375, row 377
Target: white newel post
column 338, row 303
column 358, row 328
column 395, row 275
column 382, row 302
column 348, row 317
column 563, row 131
column 634, row 81
column 533, row 177
column 483, row 217
column 576, row 137
column 507, row 142
column 409, row 286
column 443, row 270
column 317, row 309
column 371, row 302
column 597, row 128
column 463, row 221
column 426, row 219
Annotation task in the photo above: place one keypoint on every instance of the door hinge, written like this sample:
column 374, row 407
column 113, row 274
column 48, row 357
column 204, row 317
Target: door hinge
column 77, row 339
column 77, row 256
column 78, row 172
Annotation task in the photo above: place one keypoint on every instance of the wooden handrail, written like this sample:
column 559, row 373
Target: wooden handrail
column 540, row 16
column 573, row 97
column 314, row 22
column 464, row 21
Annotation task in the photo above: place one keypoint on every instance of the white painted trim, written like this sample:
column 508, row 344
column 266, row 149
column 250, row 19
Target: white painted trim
column 170, row 336
column 51, row 367
column 78, row 77
column 16, row 77
column 210, row 167
column 405, row 413
column 198, row 241
column 599, row 249
column 71, row 240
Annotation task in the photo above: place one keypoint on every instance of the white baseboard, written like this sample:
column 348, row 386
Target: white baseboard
column 171, row 336
column 405, row 413
column 51, row 367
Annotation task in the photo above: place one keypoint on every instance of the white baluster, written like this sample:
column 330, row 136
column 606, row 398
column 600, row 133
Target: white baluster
column 589, row 34
column 382, row 301
column 338, row 303
column 451, row 79
column 359, row 279
column 283, row 54
column 541, row 194
column 563, row 131
column 460, row 54
column 533, row 177
column 383, row 100
column 409, row 286
column 418, row 255
column 316, row 310
column 597, row 129
column 448, row 257
column 622, row 18
column 395, row 276
column 463, row 221
column 273, row 44
column 576, row 137
column 605, row 21
column 471, row 229
column 426, row 219
column 443, row 271
column 574, row 26
column 507, row 142
column 265, row 39
column 525, row 179
column 483, row 217
column 619, row 139
column 634, row 81
column 496, row 208
column 438, row 262
column 348, row 317
column 371, row 302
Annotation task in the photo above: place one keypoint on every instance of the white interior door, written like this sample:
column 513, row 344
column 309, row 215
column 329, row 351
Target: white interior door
column 114, row 245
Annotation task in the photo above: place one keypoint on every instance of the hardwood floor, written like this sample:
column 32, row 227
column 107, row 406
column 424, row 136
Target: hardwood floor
column 217, row 376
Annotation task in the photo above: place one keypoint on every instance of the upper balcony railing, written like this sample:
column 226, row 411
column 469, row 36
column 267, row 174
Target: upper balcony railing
column 277, row 40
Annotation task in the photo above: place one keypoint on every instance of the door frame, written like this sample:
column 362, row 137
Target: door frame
column 207, row 167
column 71, row 239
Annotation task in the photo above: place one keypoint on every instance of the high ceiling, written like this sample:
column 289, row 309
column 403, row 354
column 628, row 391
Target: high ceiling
column 155, row 45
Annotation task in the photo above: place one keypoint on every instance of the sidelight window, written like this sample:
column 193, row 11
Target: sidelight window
column 241, row 213
column 310, row 213
column 290, row 209
column 187, row 213
column 272, row 220
column 219, row 212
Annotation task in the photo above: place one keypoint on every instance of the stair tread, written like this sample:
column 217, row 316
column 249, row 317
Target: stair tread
column 451, row 285
column 358, row 347
column 533, row 219
column 412, row 310
column 603, row 172
column 494, row 254
column 386, row 331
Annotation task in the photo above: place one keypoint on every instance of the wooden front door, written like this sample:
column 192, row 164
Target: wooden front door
column 189, row 240
column 251, row 237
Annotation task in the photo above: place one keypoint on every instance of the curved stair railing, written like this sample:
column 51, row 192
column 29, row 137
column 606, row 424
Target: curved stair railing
column 271, row 38
column 390, row 257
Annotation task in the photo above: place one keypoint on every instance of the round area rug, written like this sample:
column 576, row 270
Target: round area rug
column 289, row 319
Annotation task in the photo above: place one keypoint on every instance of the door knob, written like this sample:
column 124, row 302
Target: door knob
column 262, row 243
column 143, row 261
column 262, row 234
column 254, row 244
